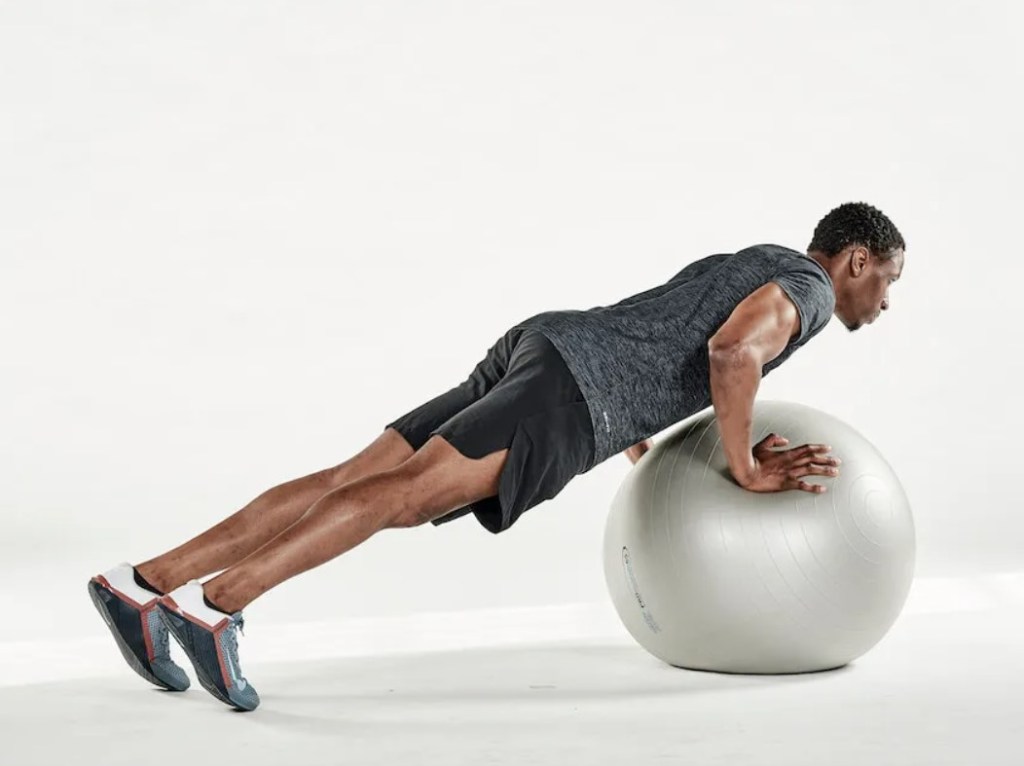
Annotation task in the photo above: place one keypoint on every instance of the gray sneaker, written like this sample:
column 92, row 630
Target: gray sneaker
column 131, row 613
column 210, row 639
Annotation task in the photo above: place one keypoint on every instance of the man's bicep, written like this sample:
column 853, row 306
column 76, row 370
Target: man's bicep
column 764, row 323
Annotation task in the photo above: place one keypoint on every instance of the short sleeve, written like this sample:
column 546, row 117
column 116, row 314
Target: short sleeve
column 810, row 288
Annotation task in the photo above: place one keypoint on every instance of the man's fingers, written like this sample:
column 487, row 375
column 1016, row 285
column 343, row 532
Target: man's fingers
column 774, row 440
column 818, row 458
column 808, row 449
column 817, row 489
column 819, row 470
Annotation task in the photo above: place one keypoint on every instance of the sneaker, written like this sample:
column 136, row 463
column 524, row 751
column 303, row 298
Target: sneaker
column 131, row 613
column 210, row 639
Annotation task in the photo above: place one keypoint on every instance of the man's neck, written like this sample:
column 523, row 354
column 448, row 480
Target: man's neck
column 825, row 262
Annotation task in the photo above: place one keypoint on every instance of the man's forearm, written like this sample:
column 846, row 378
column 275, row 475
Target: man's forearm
column 735, row 378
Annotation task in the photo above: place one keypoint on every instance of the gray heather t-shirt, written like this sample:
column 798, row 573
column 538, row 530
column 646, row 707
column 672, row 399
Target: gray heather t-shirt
column 642, row 363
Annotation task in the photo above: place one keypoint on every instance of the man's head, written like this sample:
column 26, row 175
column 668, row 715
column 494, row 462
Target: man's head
column 863, row 253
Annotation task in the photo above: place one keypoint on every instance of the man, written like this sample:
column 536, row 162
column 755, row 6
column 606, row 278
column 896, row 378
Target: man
column 555, row 396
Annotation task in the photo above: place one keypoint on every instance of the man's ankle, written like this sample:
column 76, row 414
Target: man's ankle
column 152, row 580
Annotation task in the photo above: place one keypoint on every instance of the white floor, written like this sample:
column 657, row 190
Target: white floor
column 943, row 687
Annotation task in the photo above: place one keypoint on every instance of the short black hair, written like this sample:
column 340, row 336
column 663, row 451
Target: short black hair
column 856, row 223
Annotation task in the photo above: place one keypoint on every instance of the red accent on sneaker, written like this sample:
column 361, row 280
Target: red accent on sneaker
column 106, row 584
column 146, row 635
column 143, row 610
column 228, row 681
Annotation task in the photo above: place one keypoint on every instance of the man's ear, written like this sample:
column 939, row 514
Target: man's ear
column 859, row 258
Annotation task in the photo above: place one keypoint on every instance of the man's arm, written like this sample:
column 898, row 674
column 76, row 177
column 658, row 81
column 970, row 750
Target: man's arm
column 756, row 332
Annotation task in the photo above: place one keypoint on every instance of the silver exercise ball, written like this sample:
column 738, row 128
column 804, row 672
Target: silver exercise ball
column 709, row 576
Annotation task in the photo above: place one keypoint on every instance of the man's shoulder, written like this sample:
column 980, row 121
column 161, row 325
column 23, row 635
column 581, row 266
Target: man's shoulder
column 770, row 249
column 778, row 259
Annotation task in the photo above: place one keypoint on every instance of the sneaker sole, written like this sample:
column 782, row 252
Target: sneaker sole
column 169, row 617
column 126, row 652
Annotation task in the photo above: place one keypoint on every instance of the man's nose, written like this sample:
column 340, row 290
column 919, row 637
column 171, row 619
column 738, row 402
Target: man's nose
column 885, row 304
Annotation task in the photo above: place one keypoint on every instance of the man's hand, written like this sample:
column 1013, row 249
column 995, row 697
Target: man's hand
column 778, row 470
column 637, row 451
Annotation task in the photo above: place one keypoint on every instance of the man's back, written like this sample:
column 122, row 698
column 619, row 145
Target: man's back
column 642, row 363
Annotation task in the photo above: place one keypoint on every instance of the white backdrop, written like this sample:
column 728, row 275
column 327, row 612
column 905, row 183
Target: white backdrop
column 239, row 237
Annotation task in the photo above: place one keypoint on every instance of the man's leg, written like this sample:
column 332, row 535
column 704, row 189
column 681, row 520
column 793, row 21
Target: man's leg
column 434, row 481
column 267, row 516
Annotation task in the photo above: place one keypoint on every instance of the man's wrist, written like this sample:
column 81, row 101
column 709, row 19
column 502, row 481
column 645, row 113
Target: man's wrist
column 745, row 471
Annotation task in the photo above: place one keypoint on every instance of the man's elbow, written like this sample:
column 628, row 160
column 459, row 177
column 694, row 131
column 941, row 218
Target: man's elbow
column 732, row 353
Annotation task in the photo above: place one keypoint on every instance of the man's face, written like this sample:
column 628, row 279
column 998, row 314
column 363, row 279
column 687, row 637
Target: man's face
column 865, row 291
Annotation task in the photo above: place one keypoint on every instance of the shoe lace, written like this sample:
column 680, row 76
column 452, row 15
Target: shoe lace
column 232, row 634
column 161, row 640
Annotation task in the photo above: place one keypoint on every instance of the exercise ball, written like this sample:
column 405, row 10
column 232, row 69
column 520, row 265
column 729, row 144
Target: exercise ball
column 706, row 575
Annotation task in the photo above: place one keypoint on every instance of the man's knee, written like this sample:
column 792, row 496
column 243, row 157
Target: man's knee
column 438, row 479
column 415, row 517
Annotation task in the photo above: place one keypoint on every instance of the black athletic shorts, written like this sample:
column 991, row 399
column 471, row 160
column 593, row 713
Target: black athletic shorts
column 522, row 396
